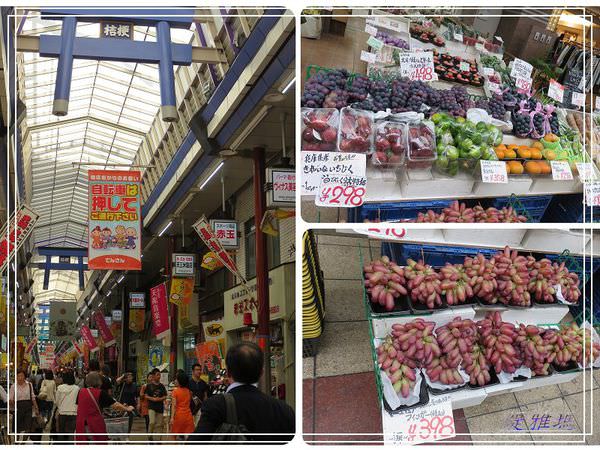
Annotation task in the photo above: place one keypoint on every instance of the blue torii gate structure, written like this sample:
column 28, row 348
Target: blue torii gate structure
column 163, row 52
column 49, row 252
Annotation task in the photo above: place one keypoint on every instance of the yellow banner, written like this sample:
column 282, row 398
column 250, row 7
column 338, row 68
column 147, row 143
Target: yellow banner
column 184, row 316
column 181, row 291
column 136, row 320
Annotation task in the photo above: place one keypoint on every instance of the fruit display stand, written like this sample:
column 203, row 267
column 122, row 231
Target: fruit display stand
column 380, row 325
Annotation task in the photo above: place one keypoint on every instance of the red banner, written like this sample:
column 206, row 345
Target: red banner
column 114, row 220
column 103, row 329
column 204, row 230
column 25, row 221
column 160, row 310
column 29, row 347
column 86, row 334
column 77, row 347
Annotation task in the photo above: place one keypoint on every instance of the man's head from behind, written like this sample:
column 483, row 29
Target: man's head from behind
column 245, row 362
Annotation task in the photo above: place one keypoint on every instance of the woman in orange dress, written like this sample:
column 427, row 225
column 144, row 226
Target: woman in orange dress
column 182, row 421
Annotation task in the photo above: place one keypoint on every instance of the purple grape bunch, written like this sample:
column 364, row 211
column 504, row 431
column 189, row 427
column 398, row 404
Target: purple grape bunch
column 391, row 40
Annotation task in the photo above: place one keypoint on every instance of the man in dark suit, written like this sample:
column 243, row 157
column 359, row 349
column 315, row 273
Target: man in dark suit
column 258, row 412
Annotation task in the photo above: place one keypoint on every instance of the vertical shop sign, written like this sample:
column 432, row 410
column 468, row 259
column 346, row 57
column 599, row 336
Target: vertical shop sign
column 182, row 290
column 160, row 310
column 63, row 318
column 88, row 338
column 226, row 232
column 114, row 220
column 25, row 220
column 207, row 235
column 137, row 300
column 282, row 190
column 136, row 320
column 103, row 328
column 183, row 264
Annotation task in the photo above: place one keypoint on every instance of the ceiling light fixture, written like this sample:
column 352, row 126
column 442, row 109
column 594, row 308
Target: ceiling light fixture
column 121, row 278
column 288, row 86
column 165, row 228
column 211, row 175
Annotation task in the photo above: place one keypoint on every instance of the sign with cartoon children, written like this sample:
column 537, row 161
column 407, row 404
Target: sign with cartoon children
column 114, row 220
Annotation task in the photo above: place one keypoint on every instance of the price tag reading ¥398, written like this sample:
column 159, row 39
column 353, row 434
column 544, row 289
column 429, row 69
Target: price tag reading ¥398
column 561, row 171
column 493, row 171
column 341, row 191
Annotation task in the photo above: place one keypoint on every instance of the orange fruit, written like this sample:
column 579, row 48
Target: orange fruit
column 500, row 154
column 512, row 146
column 524, row 152
column 516, row 167
column 536, row 153
column 532, row 168
column 510, row 154
column 501, row 147
column 550, row 155
column 538, row 145
column 507, row 167
column 545, row 167
column 550, row 137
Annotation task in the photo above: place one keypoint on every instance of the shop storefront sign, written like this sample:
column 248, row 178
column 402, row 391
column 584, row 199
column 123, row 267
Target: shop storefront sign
column 88, row 337
column 226, row 232
column 181, row 291
column 282, row 192
column 25, row 220
column 137, row 300
column 117, row 315
column 103, row 328
column 116, row 30
column 240, row 300
column 63, row 319
column 183, row 264
column 136, row 320
column 114, row 220
column 160, row 310
column 205, row 231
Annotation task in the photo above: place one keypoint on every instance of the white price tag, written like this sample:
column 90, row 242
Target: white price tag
column 458, row 37
column 371, row 29
column 417, row 66
column 592, row 194
column 499, row 39
column 480, row 47
column 561, row 171
column 465, row 66
column 521, row 69
column 431, row 422
column 523, row 84
column 493, row 171
column 586, row 171
column 368, row 57
column 316, row 165
column 556, row 91
column 488, row 71
column 494, row 87
column 374, row 43
column 577, row 98
column 341, row 191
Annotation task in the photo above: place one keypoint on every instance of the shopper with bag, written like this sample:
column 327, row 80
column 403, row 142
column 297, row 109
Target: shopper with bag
column 156, row 394
column 182, row 421
column 66, row 407
column 128, row 394
column 199, row 390
column 89, row 424
column 47, row 393
column 22, row 403
column 143, row 404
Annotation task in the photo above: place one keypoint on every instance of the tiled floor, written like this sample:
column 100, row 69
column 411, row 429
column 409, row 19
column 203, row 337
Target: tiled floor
column 340, row 394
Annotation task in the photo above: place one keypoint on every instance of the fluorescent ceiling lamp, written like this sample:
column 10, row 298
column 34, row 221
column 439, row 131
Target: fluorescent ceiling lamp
column 141, row 256
column 109, row 292
column 289, row 85
column 211, row 175
column 165, row 228
column 121, row 278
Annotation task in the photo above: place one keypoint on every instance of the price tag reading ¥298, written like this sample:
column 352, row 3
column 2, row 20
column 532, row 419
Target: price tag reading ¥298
column 493, row 171
column 561, row 171
column 341, row 191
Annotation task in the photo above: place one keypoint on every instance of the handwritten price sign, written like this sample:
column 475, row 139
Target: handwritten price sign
column 341, row 191
column 586, row 171
column 521, row 69
column 577, row 98
column 429, row 423
column 556, row 91
column 383, row 233
column 561, row 171
column 493, row 171
column 417, row 66
column 523, row 84
column 592, row 194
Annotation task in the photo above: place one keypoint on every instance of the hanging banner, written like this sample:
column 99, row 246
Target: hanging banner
column 207, row 235
column 114, row 220
column 25, row 220
column 103, row 328
column 29, row 348
column 182, row 290
column 160, row 310
column 89, row 340
column 156, row 356
column 136, row 320
column 227, row 233
column 211, row 262
column 63, row 319
column 77, row 348
column 183, row 265
column 209, row 357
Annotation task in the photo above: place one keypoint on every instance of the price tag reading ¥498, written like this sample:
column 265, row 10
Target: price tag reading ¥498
column 493, row 171
column 341, row 191
column 561, row 171
column 417, row 66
